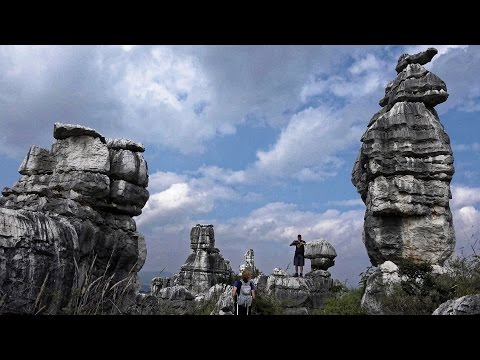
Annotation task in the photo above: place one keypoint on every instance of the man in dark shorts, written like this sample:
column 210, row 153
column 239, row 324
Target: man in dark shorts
column 299, row 258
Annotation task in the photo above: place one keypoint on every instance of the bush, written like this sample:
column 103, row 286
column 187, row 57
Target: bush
column 347, row 303
column 266, row 305
column 420, row 292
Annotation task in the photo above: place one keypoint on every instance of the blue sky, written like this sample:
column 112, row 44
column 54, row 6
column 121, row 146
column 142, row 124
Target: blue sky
column 257, row 140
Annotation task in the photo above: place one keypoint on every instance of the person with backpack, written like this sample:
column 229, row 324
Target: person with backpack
column 299, row 257
column 244, row 292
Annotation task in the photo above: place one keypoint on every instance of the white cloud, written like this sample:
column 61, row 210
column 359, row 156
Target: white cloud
column 368, row 63
column 182, row 200
column 475, row 147
column 464, row 196
column 226, row 176
column 366, row 75
column 178, row 97
column 351, row 202
column 467, row 229
column 466, row 218
column 307, row 148
column 162, row 180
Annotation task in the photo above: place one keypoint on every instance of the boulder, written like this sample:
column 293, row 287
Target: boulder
column 465, row 305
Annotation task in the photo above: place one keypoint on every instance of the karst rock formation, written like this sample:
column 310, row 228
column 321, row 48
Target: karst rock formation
column 205, row 266
column 404, row 169
column 68, row 220
column 249, row 263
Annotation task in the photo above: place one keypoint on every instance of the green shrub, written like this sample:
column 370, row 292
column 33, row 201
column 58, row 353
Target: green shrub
column 265, row 305
column 420, row 292
column 348, row 303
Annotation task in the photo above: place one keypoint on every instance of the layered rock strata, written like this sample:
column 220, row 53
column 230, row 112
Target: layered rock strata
column 69, row 219
column 404, row 169
column 205, row 266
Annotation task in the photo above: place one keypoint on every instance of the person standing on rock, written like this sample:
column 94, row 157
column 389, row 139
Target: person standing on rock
column 243, row 293
column 299, row 257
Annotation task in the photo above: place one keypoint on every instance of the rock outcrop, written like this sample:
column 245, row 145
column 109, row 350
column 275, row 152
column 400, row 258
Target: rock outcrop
column 205, row 267
column 404, row 169
column 69, row 220
column 379, row 284
column 466, row 305
column 249, row 263
column 321, row 254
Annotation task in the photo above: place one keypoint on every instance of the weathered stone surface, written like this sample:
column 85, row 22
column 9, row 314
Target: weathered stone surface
column 296, row 292
column 205, row 266
column 421, row 58
column 321, row 253
column 202, row 270
column 407, row 195
column 319, row 248
column 322, row 273
column 202, row 237
column 413, row 84
column 67, row 217
column 32, row 184
column 279, row 272
column 123, row 192
column 119, row 221
column 176, row 300
column 175, row 293
column 221, row 295
column 35, row 250
column 404, row 169
column 81, row 153
column 379, row 285
column 38, row 161
column 88, row 184
column 159, row 283
column 129, row 166
column 249, row 263
column 125, row 144
column 296, row 311
column 62, row 131
column 466, row 305
column 322, row 263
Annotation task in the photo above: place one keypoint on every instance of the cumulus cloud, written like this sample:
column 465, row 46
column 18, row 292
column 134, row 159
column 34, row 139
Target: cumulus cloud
column 179, row 97
column 466, row 217
column 182, row 198
column 367, row 74
column 162, row 180
column 464, row 196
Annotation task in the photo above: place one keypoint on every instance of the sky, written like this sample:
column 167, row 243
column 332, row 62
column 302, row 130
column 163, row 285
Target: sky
column 258, row 141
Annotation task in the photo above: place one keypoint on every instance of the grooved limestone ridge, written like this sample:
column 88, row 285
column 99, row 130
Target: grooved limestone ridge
column 404, row 168
column 70, row 214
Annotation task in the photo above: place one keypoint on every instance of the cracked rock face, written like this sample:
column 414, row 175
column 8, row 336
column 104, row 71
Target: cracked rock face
column 465, row 305
column 321, row 253
column 205, row 267
column 71, row 205
column 404, row 168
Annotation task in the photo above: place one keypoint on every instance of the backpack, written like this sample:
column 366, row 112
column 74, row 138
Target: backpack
column 245, row 294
